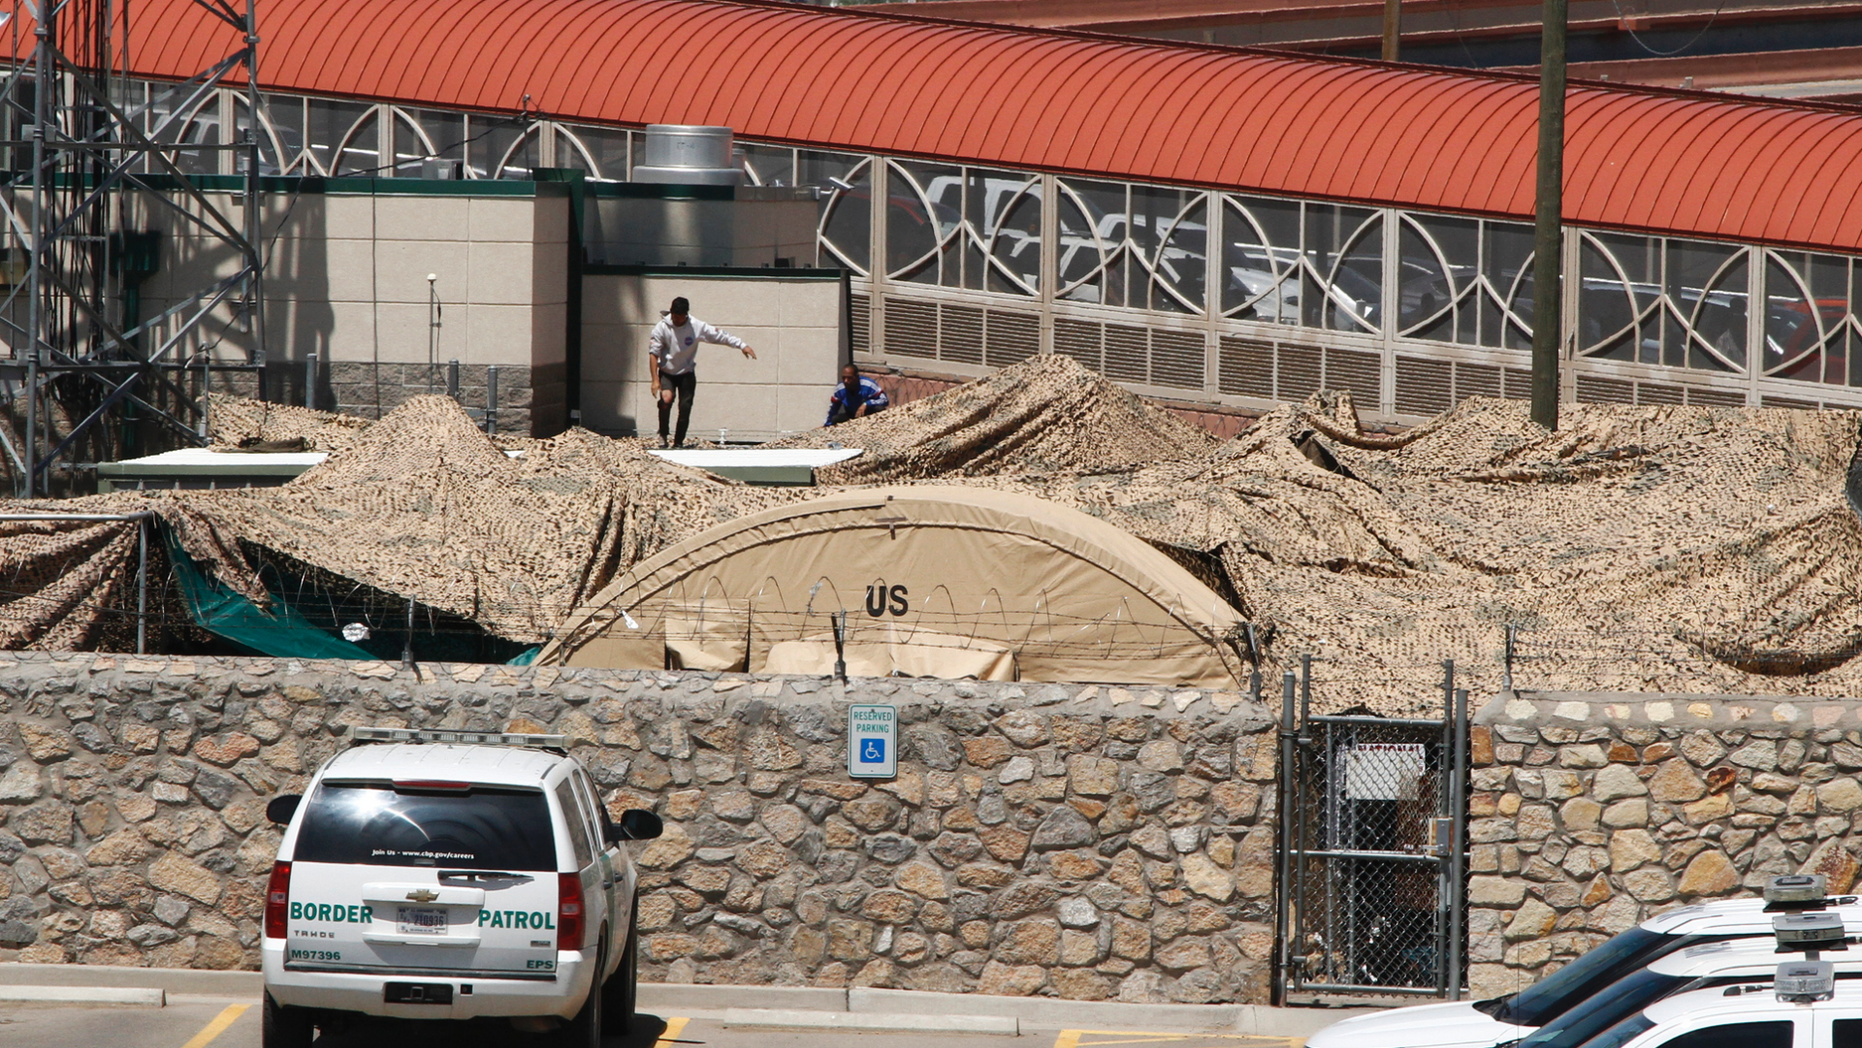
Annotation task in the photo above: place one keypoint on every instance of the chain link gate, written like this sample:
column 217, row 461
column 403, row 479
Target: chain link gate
column 1373, row 866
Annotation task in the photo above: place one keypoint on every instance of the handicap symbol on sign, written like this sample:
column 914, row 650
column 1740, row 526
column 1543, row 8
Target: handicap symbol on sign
column 872, row 751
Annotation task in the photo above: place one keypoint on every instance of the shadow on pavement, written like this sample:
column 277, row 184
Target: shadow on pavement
column 483, row 1033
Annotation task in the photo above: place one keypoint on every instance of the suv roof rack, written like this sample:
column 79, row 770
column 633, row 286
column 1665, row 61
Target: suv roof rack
column 418, row 736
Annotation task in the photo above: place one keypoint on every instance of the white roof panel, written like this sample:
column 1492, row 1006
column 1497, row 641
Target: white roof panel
column 210, row 457
column 768, row 458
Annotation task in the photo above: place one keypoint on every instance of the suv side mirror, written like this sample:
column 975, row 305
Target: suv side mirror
column 280, row 809
column 638, row 824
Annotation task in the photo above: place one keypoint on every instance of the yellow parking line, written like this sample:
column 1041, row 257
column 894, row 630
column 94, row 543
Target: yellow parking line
column 667, row 1038
column 217, row 1026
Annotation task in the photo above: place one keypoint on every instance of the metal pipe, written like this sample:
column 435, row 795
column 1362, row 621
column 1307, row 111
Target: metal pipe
column 142, row 588
column 255, row 227
column 310, row 380
column 1382, row 991
column 407, row 652
column 433, row 328
column 1283, row 929
column 452, row 379
column 1548, row 225
column 1444, row 805
column 1382, row 722
column 1458, row 854
column 1357, row 853
column 1448, row 686
column 1305, row 689
column 491, row 400
column 75, row 516
column 42, row 86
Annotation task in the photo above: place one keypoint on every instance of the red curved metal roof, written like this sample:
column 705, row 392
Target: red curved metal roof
column 1680, row 162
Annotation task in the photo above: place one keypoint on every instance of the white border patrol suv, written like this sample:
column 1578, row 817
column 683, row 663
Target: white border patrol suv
column 451, row 875
column 1478, row 1024
column 1806, row 1004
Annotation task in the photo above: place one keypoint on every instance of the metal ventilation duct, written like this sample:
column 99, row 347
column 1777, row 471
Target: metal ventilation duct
column 688, row 155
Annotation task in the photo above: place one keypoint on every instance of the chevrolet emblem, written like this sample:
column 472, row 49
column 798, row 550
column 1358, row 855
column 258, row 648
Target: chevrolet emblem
column 422, row 895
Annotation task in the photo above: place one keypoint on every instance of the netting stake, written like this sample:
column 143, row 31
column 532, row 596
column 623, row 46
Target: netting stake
column 1506, row 673
column 839, row 619
column 1305, row 689
column 407, row 652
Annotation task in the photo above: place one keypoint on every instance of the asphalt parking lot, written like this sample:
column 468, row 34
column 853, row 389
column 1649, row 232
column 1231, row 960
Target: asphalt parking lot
column 223, row 1022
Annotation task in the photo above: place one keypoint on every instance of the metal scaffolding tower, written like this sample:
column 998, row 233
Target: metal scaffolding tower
column 94, row 187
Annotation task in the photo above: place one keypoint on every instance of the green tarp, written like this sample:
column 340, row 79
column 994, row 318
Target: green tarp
column 280, row 631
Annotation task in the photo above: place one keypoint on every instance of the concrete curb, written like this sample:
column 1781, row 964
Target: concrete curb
column 809, row 1019
column 138, row 997
column 173, row 980
column 704, row 1001
column 684, row 998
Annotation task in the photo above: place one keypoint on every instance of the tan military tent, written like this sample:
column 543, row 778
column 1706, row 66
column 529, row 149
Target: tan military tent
column 935, row 580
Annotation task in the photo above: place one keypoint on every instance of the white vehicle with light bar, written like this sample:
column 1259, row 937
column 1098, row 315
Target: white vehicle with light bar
column 1805, row 1003
column 1520, row 1016
column 451, row 875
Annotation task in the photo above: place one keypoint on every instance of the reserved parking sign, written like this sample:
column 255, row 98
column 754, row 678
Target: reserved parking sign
column 873, row 742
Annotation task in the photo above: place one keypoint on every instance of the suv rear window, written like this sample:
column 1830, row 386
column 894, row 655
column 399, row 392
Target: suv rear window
column 371, row 824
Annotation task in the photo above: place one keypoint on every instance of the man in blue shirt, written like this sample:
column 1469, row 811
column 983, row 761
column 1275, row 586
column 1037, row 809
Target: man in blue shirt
column 855, row 397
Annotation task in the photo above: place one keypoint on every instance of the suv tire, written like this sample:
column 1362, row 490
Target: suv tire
column 584, row 1031
column 620, row 995
column 285, row 1027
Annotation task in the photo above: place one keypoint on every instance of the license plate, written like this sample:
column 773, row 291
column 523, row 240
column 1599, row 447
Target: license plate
column 421, row 920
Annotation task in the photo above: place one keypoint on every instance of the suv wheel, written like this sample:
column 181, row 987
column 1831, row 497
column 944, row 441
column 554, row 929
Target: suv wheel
column 620, row 994
column 584, row 1031
column 285, row 1027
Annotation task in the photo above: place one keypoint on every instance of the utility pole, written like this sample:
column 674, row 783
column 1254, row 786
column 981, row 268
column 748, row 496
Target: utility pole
column 1393, row 29
column 1548, row 254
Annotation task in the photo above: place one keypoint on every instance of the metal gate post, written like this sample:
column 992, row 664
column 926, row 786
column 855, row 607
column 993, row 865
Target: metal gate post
column 1458, row 856
column 142, row 587
column 1284, row 928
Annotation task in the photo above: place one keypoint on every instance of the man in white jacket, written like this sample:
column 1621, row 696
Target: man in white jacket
column 672, row 352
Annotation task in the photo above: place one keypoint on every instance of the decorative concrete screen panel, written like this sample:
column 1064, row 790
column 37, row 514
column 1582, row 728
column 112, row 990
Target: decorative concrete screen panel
column 794, row 319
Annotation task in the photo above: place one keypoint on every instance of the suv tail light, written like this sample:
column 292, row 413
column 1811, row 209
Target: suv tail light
column 277, row 900
column 571, row 913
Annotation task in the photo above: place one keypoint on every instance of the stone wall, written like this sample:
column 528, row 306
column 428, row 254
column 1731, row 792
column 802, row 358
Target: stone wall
column 1081, row 842
column 1589, row 814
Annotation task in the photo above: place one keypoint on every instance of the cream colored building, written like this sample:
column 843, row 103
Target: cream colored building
column 351, row 314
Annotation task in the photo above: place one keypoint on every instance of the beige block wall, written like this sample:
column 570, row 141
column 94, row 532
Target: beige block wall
column 793, row 322
column 346, row 279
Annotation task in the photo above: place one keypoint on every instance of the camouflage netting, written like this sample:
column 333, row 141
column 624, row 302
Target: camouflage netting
column 1045, row 415
column 63, row 579
column 420, row 505
column 1704, row 550
column 1683, row 549
column 241, row 423
column 424, row 505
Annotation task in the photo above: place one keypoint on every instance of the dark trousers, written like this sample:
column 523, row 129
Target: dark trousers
column 684, row 386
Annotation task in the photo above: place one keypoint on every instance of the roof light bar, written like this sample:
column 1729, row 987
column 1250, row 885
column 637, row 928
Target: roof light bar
column 1801, row 982
column 1809, row 932
column 1796, row 889
column 464, row 738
